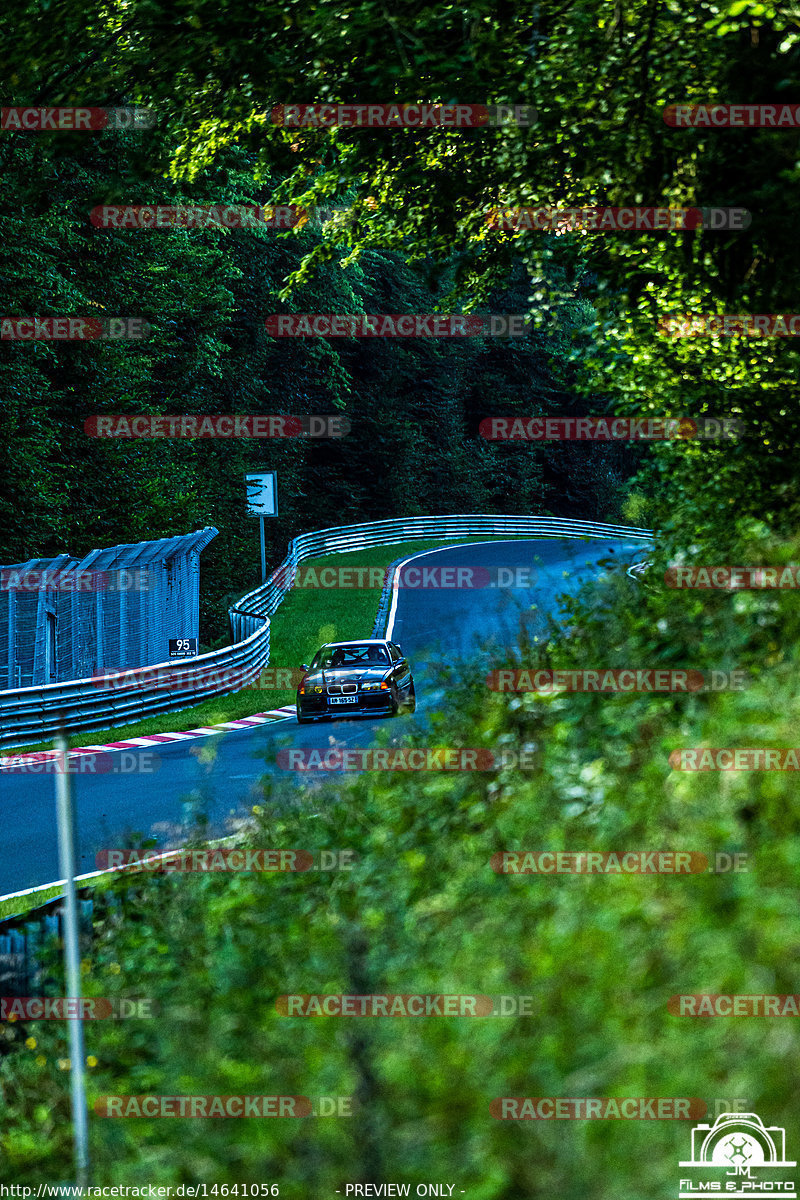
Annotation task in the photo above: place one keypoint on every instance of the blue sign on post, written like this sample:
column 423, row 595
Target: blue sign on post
column 262, row 501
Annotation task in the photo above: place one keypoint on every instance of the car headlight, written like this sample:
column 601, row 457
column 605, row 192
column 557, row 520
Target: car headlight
column 318, row 690
column 371, row 687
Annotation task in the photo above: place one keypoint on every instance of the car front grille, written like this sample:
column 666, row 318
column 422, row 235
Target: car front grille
column 339, row 689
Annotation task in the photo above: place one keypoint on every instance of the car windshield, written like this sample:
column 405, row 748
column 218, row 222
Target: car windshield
column 350, row 656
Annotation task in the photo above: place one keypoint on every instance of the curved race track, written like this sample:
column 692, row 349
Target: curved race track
column 431, row 623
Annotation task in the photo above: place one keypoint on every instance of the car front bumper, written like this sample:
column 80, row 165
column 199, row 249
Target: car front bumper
column 377, row 704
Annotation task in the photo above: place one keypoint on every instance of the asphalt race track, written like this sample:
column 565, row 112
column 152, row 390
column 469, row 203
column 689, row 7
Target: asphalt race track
column 218, row 776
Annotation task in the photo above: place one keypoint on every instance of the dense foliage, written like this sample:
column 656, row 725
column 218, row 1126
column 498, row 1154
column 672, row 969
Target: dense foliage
column 414, row 405
column 421, row 911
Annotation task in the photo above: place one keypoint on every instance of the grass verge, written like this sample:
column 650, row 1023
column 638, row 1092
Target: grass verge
column 13, row 908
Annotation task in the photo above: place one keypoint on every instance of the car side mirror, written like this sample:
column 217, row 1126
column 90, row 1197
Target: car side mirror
column 305, row 667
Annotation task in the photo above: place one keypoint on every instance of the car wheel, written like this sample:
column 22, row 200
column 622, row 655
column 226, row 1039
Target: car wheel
column 410, row 704
column 304, row 720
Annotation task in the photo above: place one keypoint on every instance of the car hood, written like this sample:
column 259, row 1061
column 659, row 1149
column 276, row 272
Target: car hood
column 348, row 675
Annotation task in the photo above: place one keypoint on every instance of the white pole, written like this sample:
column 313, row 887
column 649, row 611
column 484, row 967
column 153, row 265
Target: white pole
column 72, row 959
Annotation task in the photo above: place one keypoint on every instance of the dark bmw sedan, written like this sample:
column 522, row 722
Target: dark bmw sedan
column 371, row 678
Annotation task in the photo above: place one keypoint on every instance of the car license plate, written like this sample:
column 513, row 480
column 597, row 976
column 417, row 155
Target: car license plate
column 343, row 699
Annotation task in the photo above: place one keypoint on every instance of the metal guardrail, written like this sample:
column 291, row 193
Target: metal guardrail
column 36, row 713
column 23, row 940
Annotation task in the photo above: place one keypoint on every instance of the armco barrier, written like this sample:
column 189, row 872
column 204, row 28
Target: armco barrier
column 31, row 954
column 36, row 714
column 23, row 940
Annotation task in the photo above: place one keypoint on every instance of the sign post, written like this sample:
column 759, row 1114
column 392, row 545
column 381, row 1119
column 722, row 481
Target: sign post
column 262, row 501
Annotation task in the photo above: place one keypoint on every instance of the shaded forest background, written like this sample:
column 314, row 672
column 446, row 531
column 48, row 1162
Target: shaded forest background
column 414, row 404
